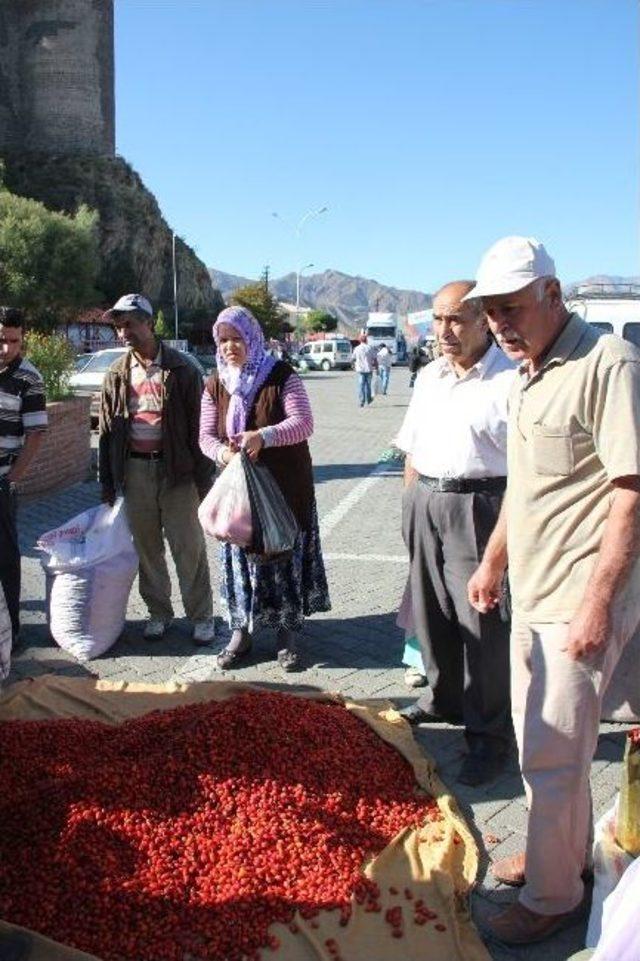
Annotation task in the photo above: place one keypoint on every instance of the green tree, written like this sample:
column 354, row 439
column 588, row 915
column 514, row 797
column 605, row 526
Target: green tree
column 319, row 321
column 162, row 329
column 48, row 261
column 263, row 305
column 54, row 357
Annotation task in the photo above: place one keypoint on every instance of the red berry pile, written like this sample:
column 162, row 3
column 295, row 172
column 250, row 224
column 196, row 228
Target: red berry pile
column 187, row 833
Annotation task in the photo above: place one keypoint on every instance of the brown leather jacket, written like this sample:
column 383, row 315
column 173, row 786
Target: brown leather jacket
column 183, row 459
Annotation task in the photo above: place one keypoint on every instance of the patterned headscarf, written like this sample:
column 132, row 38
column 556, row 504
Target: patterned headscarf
column 242, row 383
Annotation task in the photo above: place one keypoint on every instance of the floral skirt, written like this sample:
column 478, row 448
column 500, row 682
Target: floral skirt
column 278, row 593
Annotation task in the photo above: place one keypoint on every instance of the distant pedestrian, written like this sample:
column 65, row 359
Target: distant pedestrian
column 259, row 404
column 23, row 422
column 149, row 452
column 364, row 364
column 385, row 362
column 421, row 355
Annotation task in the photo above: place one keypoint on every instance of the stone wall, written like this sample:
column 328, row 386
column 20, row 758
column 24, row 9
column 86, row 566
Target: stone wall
column 65, row 455
column 57, row 76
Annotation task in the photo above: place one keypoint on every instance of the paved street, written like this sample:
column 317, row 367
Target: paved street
column 356, row 648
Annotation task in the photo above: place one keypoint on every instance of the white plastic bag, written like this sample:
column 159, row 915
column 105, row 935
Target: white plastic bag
column 609, row 864
column 377, row 384
column 90, row 565
column 225, row 512
column 620, row 938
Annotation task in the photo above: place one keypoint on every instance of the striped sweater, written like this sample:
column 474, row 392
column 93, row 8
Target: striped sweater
column 296, row 426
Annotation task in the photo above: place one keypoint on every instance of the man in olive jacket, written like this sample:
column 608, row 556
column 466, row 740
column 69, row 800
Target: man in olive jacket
column 149, row 453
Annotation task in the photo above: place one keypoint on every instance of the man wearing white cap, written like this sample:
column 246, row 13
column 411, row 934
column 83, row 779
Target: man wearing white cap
column 150, row 453
column 569, row 529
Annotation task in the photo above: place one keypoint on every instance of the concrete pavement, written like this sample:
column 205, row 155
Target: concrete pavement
column 356, row 648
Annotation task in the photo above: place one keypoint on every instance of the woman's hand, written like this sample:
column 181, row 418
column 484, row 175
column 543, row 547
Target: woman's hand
column 249, row 440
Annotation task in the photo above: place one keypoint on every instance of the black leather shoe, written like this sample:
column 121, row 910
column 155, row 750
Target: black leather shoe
column 228, row 659
column 15, row 946
column 415, row 715
column 481, row 766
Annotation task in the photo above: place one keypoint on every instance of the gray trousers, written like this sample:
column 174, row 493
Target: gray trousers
column 466, row 654
column 154, row 509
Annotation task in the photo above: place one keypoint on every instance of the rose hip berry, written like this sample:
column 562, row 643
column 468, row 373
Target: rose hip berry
column 189, row 832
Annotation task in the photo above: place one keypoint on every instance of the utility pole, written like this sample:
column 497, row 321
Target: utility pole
column 175, row 285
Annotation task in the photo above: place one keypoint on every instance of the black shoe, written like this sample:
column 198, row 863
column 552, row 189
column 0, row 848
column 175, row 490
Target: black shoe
column 481, row 766
column 15, row 946
column 415, row 715
column 227, row 659
column 288, row 659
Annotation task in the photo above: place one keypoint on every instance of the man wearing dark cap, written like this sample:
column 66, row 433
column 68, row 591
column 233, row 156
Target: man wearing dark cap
column 149, row 452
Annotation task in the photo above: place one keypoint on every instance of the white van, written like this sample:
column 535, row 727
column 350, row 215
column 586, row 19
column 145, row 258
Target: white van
column 613, row 310
column 334, row 354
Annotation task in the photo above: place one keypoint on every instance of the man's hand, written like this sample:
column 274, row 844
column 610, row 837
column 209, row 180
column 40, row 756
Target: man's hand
column 484, row 589
column 249, row 440
column 108, row 496
column 589, row 632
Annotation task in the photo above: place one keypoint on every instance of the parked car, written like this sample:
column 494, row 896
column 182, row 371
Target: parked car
column 326, row 354
column 81, row 361
column 88, row 379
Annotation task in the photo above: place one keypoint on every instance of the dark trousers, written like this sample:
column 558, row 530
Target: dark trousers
column 466, row 654
column 10, row 554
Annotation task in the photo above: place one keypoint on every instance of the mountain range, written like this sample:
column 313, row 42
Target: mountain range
column 351, row 298
column 348, row 298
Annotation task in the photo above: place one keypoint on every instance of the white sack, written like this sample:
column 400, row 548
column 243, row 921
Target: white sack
column 609, row 864
column 620, row 939
column 90, row 567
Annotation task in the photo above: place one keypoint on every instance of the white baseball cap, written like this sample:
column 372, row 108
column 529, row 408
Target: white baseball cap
column 511, row 264
column 129, row 302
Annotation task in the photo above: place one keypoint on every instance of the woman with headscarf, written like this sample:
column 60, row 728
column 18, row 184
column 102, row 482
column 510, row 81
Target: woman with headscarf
column 258, row 403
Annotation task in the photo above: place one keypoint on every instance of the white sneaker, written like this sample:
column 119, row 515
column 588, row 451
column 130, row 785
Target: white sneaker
column 204, row 632
column 154, row 629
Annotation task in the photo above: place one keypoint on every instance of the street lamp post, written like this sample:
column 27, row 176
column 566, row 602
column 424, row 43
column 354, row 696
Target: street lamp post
column 297, row 230
column 298, row 272
column 175, row 286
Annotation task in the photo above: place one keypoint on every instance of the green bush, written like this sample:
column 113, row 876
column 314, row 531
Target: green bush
column 54, row 357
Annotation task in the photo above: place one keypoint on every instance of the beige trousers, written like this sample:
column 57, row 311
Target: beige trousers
column 556, row 705
column 154, row 510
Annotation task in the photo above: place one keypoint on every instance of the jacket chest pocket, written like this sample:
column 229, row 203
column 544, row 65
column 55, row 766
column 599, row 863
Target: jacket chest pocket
column 553, row 454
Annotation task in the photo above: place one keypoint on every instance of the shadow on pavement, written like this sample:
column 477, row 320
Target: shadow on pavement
column 329, row 472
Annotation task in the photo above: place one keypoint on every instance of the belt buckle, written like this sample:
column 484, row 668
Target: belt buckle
column 446, row 485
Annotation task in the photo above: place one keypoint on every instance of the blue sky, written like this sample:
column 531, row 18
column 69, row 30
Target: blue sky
column 429, row 128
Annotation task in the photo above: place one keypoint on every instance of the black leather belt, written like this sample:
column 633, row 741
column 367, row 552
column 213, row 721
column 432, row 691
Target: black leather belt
column 465, row 485
column 142, row 455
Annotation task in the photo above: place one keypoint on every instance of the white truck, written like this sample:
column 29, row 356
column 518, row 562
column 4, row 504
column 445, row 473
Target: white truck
column 612, row 308
column 384, row 328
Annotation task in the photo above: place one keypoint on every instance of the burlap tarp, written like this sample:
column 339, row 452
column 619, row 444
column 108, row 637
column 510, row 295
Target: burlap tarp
column 437, row 869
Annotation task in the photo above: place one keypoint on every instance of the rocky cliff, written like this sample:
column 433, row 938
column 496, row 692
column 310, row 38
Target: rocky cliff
column 135, row 240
